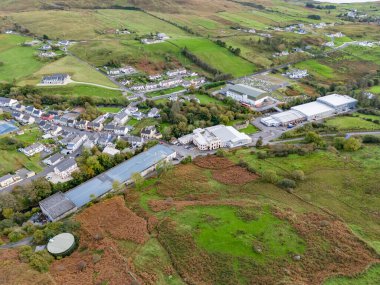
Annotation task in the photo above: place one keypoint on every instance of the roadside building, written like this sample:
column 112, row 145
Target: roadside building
column 284, row 119
column 314, row 110
column 154, row 113
column 33, row 149
column 218, row 136
column 340, row 103
column 110, row 150
column 7, row 102
column 6, row 180
column 66, row 168
column 246, row 94
column 150, row 132
column 56, row 79
column 54, row 159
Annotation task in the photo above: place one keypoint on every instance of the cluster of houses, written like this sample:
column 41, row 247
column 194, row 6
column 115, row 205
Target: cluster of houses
column 154, row 39
column 19, row 175
column 126, row 70
column 244, row 30
column 295, row 50
column 297, row 73
column 171, row 78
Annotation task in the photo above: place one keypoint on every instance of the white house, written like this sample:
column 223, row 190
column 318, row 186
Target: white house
column 110, row 150
column 154, row 113
column 76, row 142
column 33, row 149
column 56, row 79
column 6, row 180
column 66, row 168
column 7, row 102
column 54, row 159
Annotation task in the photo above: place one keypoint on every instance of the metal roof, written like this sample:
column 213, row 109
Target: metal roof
column 288, row 116
column 336, row 100
column 246, row 90
column 102, row 183
column 312, row 108
column 57, row 204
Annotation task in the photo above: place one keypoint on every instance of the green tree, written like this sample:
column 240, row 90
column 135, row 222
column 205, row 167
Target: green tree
column 138, row 180
column 313, row 137
column 8, row 213
column 38, row 237
column 116, row 185
column 298, row 175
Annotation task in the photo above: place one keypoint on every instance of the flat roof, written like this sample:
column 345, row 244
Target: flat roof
column 247, row 90
column 312, row 108
column 102, row 183
column 288, row 116
column 60, row 243
column 336, row 100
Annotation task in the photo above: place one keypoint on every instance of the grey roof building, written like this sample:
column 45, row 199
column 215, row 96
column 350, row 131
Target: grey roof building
column 57, row 206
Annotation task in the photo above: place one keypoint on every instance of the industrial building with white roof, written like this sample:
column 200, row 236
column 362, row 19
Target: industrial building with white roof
column 216, row 137
column 324, row 107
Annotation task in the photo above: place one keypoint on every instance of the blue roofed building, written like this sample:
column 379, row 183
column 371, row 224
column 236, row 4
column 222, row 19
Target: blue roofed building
column 143, row 163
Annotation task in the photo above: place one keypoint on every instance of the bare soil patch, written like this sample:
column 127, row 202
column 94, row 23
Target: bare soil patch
column 114, row 218
column 213, row 162
column 234, row 175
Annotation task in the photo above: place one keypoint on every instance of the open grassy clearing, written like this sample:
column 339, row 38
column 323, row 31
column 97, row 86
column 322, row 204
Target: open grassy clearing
column 346, row 123
column 18, row 62
column 80, row 90
column 222, row 230
column 316, row 68
column 164, row 91
column 78, row 70
column 14, row 160
column 216, row 56
column 343, row 184
column 375, row 89
column 109, row 109
column 205, row 99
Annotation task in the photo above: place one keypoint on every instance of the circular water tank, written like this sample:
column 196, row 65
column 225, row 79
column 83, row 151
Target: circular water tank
column 61, row 244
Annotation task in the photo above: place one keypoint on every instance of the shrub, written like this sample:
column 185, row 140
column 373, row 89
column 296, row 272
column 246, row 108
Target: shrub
column 221, row 153
column 15, row 236
column 298, row 175
column 270, row 176
column 352, row 144
column 287, row 183
column 187, row 159
column 262, row 155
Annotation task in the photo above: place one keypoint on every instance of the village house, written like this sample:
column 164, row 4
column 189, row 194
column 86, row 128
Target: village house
column 66, row 168
column 154, row 77
column 134, row 141
column 150, row 133
column 110, row 150
column 109, row 127
column 6, row 180
column 170, row 82
column 7, row 102
column 29, row 109
column 106, row 140
column 54, row 159
column 33, row 149
column 121, row 118
column 76, row 142
column 154, row 113
column 82, row 124
column 47, row 117
column 19, row 107
column 27, row 120
column 55, row 79
column 297, row 73
column 151, row 86
column 49, row 54
column 45, row 47
column 138, row 87
column 176, row 72
column 121, row 130
column 37, row 113
column 95, row 126
column 55, row 130
column 138, row 116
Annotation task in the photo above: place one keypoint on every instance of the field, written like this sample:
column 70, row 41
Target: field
column 346, row 123
column 216, row 56
column 18, row 62
column 205, row 99
column 80, row 90
column 164, row 91
column 317, row 69
column 375, row 89
column 109, row 109
column 78, row 70
column 371, row 276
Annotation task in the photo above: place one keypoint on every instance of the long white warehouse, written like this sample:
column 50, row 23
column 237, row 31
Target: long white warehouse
column 324, row 107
